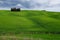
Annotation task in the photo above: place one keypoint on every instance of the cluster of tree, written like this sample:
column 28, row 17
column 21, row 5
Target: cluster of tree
column 15, row 9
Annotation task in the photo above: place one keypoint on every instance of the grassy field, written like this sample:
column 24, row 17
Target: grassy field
column 30, row 20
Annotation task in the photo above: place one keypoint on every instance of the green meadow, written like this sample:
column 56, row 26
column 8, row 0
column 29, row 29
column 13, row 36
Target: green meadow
column 30, row 20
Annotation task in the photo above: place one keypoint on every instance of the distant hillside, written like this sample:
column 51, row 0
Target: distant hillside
column 29, row 21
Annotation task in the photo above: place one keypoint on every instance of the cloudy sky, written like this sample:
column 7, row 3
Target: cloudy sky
column 52, row 5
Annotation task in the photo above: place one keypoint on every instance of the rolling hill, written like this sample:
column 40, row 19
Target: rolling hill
column 29, row 20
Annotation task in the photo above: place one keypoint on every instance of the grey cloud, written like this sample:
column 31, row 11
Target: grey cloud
column 28, row 4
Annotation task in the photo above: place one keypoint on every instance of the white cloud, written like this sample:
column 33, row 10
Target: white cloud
column 4, row 8
column 53, row 9
column 36, row 4
column 19, row 5
column 54, row 2
column 24, row 0
column 51, row 5
column 39, row 1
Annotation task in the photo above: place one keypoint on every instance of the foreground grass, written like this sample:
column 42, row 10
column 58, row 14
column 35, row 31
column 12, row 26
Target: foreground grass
column 31, row 37
column 15, row 22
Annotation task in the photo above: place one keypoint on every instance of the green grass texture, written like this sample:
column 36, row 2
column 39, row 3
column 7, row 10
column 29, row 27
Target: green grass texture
column 29, row 20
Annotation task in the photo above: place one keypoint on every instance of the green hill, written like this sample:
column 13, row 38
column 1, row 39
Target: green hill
column 29, row 21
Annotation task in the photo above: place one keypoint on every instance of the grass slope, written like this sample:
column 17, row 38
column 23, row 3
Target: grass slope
column 29, row 21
